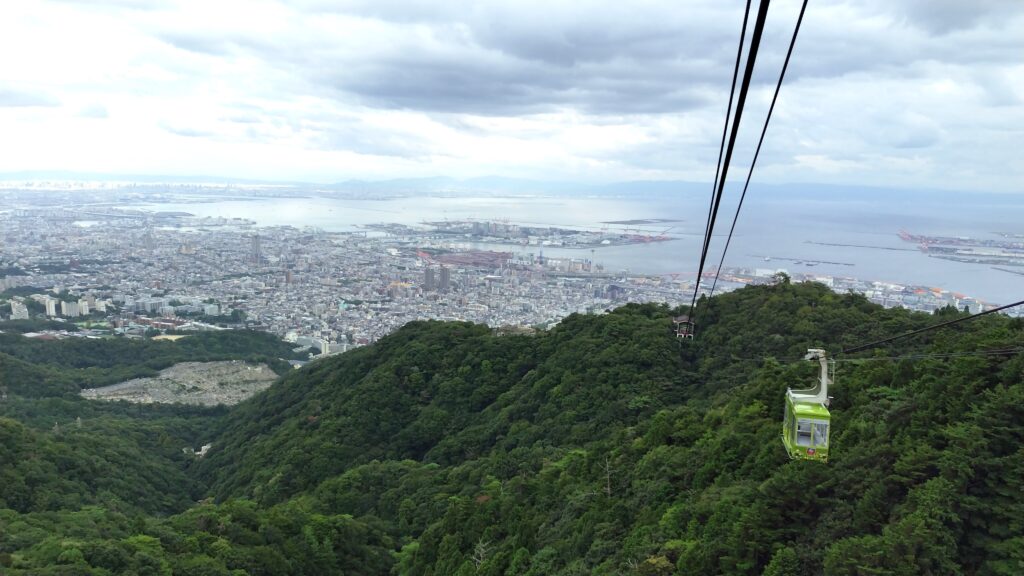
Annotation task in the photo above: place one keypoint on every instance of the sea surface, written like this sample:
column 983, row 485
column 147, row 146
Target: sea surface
column 770, row 233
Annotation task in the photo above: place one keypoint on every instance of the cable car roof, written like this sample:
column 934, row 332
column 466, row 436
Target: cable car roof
column 809, row 409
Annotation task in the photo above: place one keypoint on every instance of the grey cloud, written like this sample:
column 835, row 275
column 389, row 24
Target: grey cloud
column 506, row 62
column 199, row 44
column 211, row 45
column 375, row 143
column 504, row 86
column 244, row 119
column 141, row 5
column 14, row 98
column 886, row 38
column 944, row 16
column 919, row 136
column 508, row 59
column 488, row 82
column 390, row 10
column 330, row 131
column 187, row 132
column 580, row 39
column 679, row 156
column 999, row 91
column 502, row 59
column 94, row 111
column 901, row 130
column 324, row 130
column 860, row 69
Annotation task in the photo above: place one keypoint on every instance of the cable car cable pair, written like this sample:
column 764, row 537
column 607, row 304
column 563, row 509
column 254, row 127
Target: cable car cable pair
column 684, row 324
column 921, row 356
column 996, row 352
column 722, row 167
column 764, row 130
column 927, row 329
column 755, row 42
column 725, row 128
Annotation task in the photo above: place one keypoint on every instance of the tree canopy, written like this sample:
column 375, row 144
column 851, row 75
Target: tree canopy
column 601, row 446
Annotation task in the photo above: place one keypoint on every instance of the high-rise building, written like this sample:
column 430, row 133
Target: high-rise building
column 51, row 307
column 68, row 308
column 19, row 311
column 429, row 280
column 256, row 253
column 446, row 278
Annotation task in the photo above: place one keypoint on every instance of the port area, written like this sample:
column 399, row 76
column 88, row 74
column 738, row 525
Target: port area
column 890, row 248
column 1008, row 250
column 641, row 222
column 800, row 261
column 495, row 232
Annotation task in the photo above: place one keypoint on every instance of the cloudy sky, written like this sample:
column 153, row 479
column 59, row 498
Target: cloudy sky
column 911, row 93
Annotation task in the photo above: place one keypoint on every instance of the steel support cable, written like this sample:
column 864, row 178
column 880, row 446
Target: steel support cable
column 725, row 133
column 755, row 41
column 927, row 329
column 927, row 356
column 764, row 130
column 921, row 356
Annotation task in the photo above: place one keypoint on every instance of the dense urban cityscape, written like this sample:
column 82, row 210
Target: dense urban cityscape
column 134, row 273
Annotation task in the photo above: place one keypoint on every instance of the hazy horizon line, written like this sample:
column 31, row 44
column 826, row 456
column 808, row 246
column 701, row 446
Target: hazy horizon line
column 73, row 176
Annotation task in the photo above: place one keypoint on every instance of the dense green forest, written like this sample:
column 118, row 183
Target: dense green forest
column 602, row 446
column 39, row 368
column 60, row 452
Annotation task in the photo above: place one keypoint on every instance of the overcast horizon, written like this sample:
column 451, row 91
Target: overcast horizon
column 919, row 94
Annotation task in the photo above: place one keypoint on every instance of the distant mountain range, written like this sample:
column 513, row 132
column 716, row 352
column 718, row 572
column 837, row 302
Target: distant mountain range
column 500, row 185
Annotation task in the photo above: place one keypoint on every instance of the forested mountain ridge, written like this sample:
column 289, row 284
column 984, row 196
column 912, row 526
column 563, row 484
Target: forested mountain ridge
column 38, row 368
column 59, row 452
column 681, row 444
column 604, row 447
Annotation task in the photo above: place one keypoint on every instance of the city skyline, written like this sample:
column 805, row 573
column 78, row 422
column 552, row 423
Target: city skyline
column 141, row 274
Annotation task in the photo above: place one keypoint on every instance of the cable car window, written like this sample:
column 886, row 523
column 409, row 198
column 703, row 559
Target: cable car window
column 803, row 432
column 820, row 433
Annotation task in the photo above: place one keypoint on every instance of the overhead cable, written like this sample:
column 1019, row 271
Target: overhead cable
column 725, row 133
column 926, row 356
column 920, row 356
column 764, row 130
column 927, row 329
column 755, row 42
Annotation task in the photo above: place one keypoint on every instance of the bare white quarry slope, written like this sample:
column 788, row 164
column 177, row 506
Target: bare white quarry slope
column 203, row 383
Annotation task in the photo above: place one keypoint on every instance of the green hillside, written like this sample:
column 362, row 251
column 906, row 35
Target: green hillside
column 108, row 461
column 66, row 366
column 599, row 447
column 60, row 452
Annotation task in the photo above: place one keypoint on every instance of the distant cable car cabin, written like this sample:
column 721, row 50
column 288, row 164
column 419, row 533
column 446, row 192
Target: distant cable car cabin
column 806, row 426
column 684, row 327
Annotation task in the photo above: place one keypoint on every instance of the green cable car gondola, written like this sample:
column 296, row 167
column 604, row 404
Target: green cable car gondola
column 805, row 428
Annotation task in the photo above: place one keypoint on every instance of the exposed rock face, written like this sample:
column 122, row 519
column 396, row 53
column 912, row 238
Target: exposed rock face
column 204, row 383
